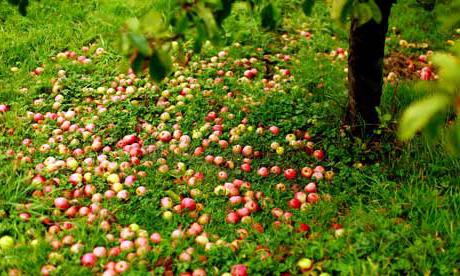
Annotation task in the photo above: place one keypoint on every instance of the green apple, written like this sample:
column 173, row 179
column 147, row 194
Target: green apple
column 167, row 215
column 113, row 178
column 305, row 264
column 280, row 150
column 134, row 227
column 6, row 242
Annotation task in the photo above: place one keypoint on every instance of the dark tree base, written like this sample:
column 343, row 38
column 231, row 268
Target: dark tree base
column 365, row 71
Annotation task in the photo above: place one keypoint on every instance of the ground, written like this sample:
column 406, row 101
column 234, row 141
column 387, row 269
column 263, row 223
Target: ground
column 100, row 164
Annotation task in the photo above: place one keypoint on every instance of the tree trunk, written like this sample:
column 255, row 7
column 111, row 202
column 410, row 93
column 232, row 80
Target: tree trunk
column 365, row 71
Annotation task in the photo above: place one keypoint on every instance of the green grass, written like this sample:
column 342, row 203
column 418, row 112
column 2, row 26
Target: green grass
column 398, row 202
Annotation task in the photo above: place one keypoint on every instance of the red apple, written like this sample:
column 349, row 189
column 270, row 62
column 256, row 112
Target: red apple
column 274, row 130
column 242, row 212
column 219, row 160
column 303, row 227
column 100, row 252
column 236, row 149
column 239, row 270
column 246, row 167
column 130, row 139
column 114, row 251
column 211, row 116
column 251, row 205
column 247, row 151
column 61, row 203
column 188, row 203
column 165, row 136
column 306, row 172
column 313, row 198
column 425, row 73
column 155, row 238
column 89, row 260
column 198, row 151
column 250, row 74
column 209, row 159
column 310, row 187
column 320, row 169
column 301, row 196
column 318, row 154
column 232, row 218
column 294, row 203
column 277, row 212
column 285, row 72
column 317, row 176
column 235, row 200
column 275, row 170
column 4, row 108
column 222, row 175
column 290, row 174
column 121, row 267
column 263, row 171
column 195, row 229
column 38, row 117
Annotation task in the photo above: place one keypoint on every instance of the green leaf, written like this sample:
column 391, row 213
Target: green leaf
column 386, row 117
column 362, row 12
column 418, row 114
column 173, row 195
column 125, row 44
column 449, row 71
column 341, row 9
column 140, row 42
column 434, row 126
column 307, row 6
column 223, row 12
column 153, row 24
column 268, row 16
column 209, row 22
column 133, row 24
column 160, row 65
column 376, row 13
column 200, row 37
column 181, row 25
column 213, row 3
column 453, row 138
column 137, row 63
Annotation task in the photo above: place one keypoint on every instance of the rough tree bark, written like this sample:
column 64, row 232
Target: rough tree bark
column 365, row 71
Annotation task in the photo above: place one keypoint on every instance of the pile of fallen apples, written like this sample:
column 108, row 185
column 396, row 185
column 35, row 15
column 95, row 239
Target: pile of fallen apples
column 82, row 174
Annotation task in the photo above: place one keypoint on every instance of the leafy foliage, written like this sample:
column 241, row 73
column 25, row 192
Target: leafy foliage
column 160, row 65
column 419, row 114
column 147, row 40
column 341, row 9
column 362, row 10
column 429, row 113
column 202, row 21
